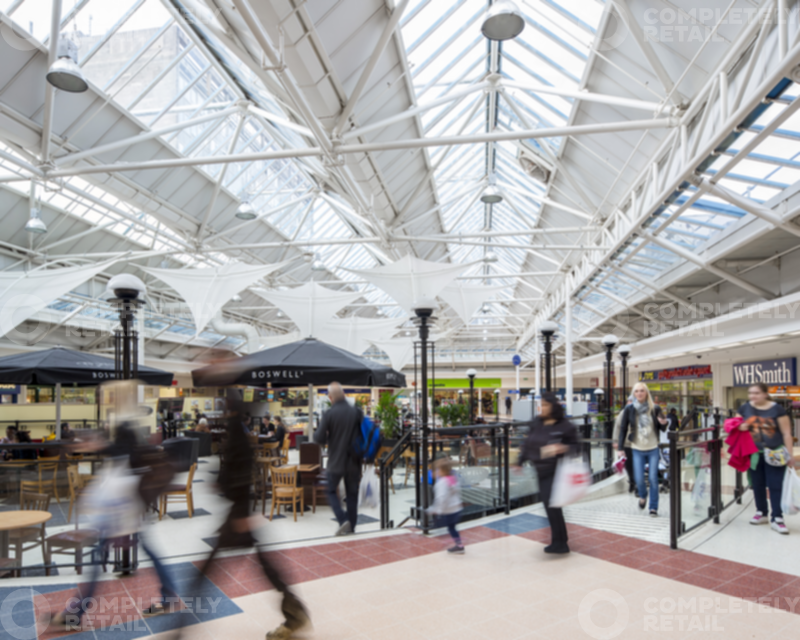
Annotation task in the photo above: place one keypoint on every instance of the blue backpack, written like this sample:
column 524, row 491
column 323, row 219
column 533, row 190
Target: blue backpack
column 367, row 441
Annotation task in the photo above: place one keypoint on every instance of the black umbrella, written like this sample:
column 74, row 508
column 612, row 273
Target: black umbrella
column 59, row 366
column 64, row 366
column 298, row 364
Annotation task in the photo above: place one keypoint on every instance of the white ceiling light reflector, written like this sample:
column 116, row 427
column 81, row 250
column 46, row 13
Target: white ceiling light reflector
column 65, row 74
column 503, row 21
column 35, row 224
column 245, row 211
column 491, row 195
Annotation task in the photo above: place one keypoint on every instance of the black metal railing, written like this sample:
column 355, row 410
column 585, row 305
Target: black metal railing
column 386, row 467
column 698, row 451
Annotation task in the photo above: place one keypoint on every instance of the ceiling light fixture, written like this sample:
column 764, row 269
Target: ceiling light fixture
column 491, row 195
column 65, row 74
column 35, row 224
column 245, row 211
column 503, row 21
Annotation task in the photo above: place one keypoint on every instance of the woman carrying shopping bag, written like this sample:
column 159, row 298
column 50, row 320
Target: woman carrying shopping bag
column 639, row 429
column 550, row 438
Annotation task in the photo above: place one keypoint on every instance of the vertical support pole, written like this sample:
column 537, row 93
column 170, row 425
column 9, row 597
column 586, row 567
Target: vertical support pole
column 609, row 425
column 472, row 399
column 674, row 490
column 568, row 390
column 538, row 388
column 423, row 337
column 310, row 427
column 506, row 472
column 58, row 410
column 547, row 370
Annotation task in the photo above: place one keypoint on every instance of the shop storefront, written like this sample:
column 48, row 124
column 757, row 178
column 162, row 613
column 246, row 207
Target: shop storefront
column 456, row 390
column 681, row 388
column 779, row 374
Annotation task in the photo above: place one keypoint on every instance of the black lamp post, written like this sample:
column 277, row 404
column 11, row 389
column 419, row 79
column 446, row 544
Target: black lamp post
column 424, row 309
column 126, row 289
column 471, row 373
column 609, row 342
column 624, row 350
column 497, row 405
column 548, row 329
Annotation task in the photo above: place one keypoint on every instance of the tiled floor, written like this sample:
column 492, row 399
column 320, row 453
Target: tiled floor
column 406, row 586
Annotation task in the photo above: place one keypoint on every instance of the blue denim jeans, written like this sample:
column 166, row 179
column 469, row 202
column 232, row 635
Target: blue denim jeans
column 765, row 477
column 641, row 458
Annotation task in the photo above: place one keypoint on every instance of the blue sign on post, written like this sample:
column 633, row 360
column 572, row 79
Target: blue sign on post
column 775, row 373
column 516, row 361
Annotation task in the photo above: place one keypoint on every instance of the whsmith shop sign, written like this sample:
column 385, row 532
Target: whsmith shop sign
column 678, row 373
column 777, row 372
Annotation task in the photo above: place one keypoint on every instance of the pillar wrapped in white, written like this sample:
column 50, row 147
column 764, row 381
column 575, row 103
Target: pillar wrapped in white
column 23, row 294
column 207, row 290
column 466, row 300
column 309, row 306
column 356, row 333
column 410, row 279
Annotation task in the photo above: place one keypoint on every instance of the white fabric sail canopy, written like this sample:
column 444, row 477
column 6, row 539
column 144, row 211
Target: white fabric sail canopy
column 24, row 294
column 310, row 306
column 466, row 300
column 399, row 350
column 356, row 333
column 411, row 279
column 207, row 290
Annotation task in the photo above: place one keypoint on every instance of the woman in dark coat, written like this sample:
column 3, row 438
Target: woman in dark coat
column 551, row 436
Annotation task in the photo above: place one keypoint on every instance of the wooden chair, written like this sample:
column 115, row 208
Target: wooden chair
column 262, row 482
column 31, row 536
column 271, row 450
column 76, row 542
column 285, row 450
column 50, row 483
column 77, row 483
column 320, row 485
column 252, row 438
column 285, row 490
column 179, row 493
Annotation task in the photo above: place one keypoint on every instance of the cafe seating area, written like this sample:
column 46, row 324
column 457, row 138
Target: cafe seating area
column 289, row 486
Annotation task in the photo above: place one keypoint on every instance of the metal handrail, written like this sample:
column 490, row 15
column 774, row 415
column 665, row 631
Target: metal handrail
column 385, row 467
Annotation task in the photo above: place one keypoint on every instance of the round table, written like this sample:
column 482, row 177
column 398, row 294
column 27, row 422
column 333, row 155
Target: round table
column 19, row 520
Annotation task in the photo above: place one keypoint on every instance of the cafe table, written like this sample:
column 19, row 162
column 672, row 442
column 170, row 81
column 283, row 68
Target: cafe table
column 19, row 520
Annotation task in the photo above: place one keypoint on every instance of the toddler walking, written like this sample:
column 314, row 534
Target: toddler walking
column 447, row 503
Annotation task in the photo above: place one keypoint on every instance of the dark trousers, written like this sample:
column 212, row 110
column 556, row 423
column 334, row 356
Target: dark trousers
column 558, row 528
column 764, row 477
column 352, row 478
column 229, row 538
column 450, row 520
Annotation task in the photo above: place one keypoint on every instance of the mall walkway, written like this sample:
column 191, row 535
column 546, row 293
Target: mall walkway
column 405, row 587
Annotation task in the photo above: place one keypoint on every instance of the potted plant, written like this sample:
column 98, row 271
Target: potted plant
column 387, row 413
column 453, row 414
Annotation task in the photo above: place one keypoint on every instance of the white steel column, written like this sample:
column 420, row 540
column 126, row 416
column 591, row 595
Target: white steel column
column 568, row 354
column 49, row 89
column 537, row 389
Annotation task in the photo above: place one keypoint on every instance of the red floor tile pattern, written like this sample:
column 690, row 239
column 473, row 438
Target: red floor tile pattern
column 119, row 602
column 723, row 576
column 241, row 575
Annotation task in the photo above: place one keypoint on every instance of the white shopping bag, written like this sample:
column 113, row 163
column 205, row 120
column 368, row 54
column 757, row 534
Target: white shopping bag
column 790, row 498
column 368, row 490
column 702, row 485
column 572, row 480
column 113, row 503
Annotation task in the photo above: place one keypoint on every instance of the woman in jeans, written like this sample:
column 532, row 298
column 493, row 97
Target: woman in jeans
column 639, row 429
column 770, row 427
column 550, row 437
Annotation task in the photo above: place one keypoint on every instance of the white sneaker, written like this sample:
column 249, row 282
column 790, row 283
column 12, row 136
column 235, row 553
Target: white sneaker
column 778, row 525
column 759, row 518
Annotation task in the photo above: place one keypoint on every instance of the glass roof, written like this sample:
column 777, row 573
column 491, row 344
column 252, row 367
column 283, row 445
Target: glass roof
column 150, row 64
